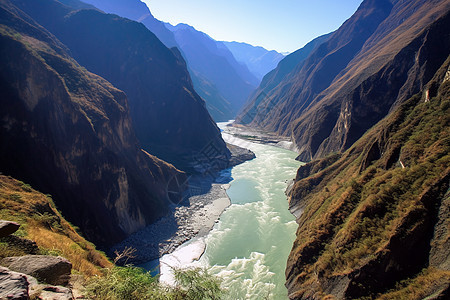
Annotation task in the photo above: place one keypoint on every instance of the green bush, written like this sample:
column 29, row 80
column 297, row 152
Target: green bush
column 198, row 284
column 123, row 283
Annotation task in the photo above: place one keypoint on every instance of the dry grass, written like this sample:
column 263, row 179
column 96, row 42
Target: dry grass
column 352, row 213
column 427, row 283
column 42, row 223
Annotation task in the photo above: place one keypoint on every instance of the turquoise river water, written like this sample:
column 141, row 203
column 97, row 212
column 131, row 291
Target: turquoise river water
column 250, row 244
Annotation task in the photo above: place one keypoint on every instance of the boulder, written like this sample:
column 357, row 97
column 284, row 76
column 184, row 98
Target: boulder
column 48, row 269
column 13, row 285
column 55, row 293
column 7, row 228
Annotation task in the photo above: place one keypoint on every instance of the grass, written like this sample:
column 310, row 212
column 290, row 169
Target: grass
column 123, row 283
column 41, row 222
column 427, row 283
column 354, row 211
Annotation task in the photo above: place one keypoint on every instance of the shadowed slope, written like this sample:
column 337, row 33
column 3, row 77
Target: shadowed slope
column 170, row 119
column 67, row 132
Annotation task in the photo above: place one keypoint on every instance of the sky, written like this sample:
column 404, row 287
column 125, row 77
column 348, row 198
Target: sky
column 282, row 25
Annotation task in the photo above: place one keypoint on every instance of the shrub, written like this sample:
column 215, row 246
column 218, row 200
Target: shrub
column 123, row 283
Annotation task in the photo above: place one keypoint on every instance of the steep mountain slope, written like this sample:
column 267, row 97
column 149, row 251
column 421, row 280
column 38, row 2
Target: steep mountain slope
column 214, row 61
column 276, row 76
column 138, row 11
column 375, row 219
column 258, row 60
column 219, row 103
column 379, row 57
column 43, row 224
column 67, row 132
column 218, row 107
column 169, row 118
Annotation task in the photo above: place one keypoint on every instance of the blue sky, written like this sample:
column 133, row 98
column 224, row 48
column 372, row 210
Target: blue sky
column 282, row 25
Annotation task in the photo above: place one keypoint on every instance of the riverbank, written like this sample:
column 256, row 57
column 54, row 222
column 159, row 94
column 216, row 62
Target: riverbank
column 249, row 246
column 194, row 217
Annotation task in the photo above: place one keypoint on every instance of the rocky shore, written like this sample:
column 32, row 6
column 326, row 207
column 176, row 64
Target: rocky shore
column 205, row 201
column 196, row 218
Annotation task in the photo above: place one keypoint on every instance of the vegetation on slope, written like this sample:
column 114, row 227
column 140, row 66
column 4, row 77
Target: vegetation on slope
column 375, row 220
column 123, row 283
column 41, row 222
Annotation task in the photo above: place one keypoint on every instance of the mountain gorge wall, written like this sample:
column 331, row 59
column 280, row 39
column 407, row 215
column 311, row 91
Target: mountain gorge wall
column 373, row 221
column 169, row 118
column 68, row 132
column 211, row 65
column 213, row 61
column 381, row 56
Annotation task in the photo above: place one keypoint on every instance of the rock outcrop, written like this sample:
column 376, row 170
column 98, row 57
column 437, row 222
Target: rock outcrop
column 13, row 285
column 239, row 155
column 382, row 55
column 49, row 269
column 68, row 133
column 169, row 118
column 20, row 286
column 7, row 228
column 55, row 293
column 374, row 219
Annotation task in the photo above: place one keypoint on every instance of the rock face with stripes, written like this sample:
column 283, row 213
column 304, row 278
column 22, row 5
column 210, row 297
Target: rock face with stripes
column 68, row 133
column 382, row 55
column 169, row 118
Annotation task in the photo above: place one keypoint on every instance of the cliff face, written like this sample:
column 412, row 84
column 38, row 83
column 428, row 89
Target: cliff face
column 378, row 58
column 222, row 104
column 274, row 78
column 169, row 118
column 374, row 220
column 67, row 132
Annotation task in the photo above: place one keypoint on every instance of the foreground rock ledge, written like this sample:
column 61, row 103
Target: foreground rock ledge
column 49, row 269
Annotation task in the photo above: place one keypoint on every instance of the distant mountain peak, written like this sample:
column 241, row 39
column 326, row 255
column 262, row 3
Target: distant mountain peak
column 257, row 59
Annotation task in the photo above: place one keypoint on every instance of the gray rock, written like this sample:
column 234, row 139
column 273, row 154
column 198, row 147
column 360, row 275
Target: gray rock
column 13, row 285
column 48, row 269
column 55, row 293
column 7, row 228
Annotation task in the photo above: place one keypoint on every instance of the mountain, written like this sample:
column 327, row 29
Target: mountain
column 258, row 60
column 381, row 56
column 218, row 107
column 222, row 101
column 138, row 11
column 68, row 132
column 170, row 119
column 272, row 79
column 375, row 220
column 212, row 60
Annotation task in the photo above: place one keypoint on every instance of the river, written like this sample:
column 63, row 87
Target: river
column 249, row 246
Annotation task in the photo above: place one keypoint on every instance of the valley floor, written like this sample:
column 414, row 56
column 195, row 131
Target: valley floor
column 205, row 201
column 196, row 218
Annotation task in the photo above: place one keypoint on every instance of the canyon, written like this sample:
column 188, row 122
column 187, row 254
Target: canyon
column 111, row 115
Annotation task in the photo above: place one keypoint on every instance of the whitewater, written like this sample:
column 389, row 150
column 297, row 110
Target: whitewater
column 249, row 246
